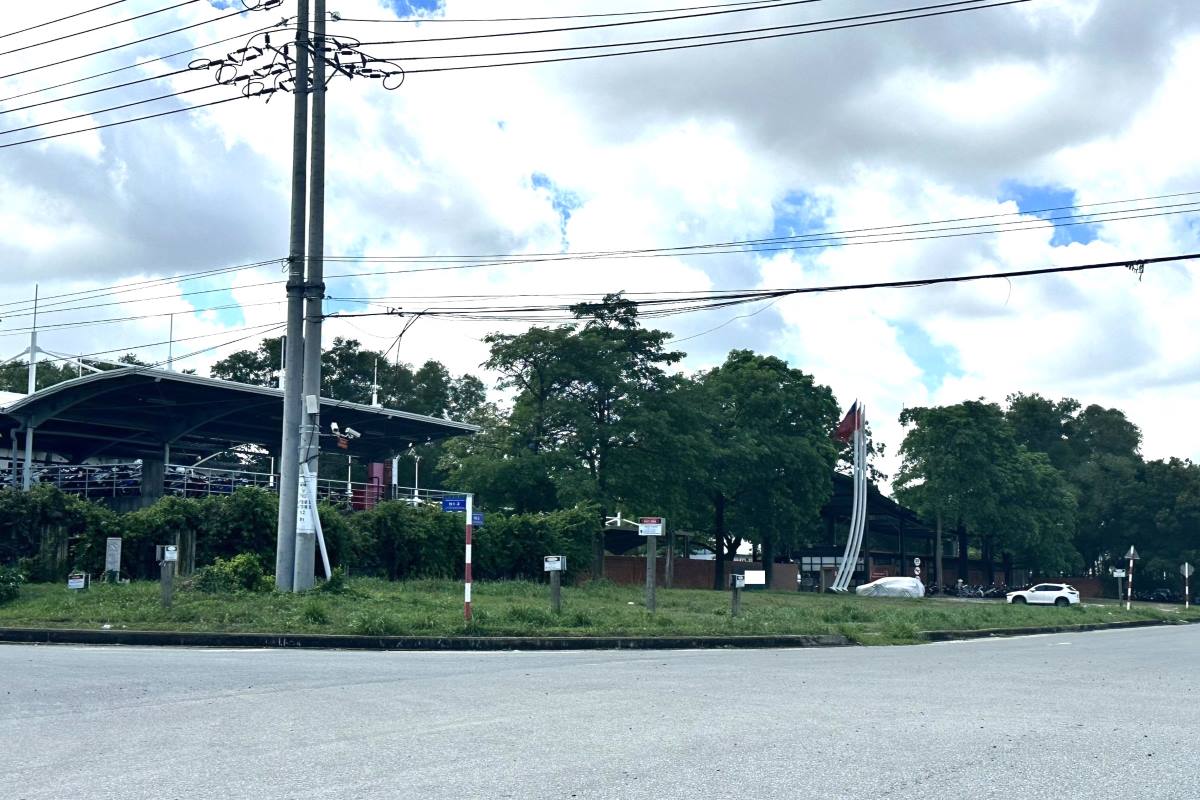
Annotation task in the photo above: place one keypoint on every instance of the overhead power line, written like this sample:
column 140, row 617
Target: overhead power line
column 705, row 301
column 423, row 20
column 601, row 25
column 66, row 36
column 666, row 39
column 130, row 104
column 1030, row 217
column 694, row 45
column 124, row 122
column 62, row 19
column 110, row 291
column 121, row 46
column 137, row 64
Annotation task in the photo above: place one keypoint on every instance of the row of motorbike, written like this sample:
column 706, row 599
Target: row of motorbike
column 995, row 592
column 125, row 480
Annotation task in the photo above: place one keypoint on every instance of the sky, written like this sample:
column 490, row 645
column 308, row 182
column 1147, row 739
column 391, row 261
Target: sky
column 1000, row 111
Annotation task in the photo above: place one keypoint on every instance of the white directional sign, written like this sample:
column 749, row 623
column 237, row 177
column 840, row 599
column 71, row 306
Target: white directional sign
column 77, row 580
column 554, row 563
column 651, row 526
column 1118, row 573
column 170, row 553
column 756, row 577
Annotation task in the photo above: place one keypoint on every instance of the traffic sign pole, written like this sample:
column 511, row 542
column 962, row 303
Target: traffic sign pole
column 467, row 560
column 1131, row 555
column 1186, row 569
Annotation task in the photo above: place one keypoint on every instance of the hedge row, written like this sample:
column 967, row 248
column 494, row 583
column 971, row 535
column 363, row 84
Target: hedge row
column 48, row 533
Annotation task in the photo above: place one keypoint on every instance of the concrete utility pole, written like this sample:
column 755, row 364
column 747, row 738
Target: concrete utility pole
column 314, row 294
column 293, row 357
column 30, row 388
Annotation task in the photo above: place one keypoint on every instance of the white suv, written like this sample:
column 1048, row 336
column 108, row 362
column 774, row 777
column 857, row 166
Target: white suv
column 1058, row 594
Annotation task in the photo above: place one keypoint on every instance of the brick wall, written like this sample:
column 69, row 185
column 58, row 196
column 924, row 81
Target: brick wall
column 689, row 573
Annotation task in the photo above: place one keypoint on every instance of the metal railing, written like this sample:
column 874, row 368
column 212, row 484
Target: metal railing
column 96, row 481
column 182, row 481
column 92, row 481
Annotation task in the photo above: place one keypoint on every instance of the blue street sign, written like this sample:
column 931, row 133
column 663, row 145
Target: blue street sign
column 477, row 519
column 454, row 504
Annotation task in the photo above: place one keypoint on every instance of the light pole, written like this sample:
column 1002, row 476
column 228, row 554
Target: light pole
column 416, row 473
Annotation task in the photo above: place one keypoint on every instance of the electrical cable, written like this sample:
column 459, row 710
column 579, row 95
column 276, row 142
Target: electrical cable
column 423, row 20
column 1032, row 220
column 258, row 329
column 720, row 34
column 125, row 121
column 58, row 39
column 139, row 64
column 122, row 46
column 150, row 282
column 1036, row 223
column 113, row 108
column 706, row 301
column 597, row 26
column 593, row 56
column 62, row 19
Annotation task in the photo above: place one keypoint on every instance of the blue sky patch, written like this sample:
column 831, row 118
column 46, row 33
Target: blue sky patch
column 564, row 202
column 1031, row 199
column 410, row 8
column 797, row 214
column 936, row 361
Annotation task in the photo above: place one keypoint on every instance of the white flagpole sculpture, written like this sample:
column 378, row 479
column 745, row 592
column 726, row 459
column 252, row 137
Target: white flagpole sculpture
column 851, row 430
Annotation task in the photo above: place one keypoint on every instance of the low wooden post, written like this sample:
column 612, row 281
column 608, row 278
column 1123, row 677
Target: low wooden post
column 556, row 592
column 736, row 582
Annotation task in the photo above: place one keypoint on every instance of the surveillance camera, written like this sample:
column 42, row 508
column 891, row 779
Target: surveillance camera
column 333, row 426
column 352, row 434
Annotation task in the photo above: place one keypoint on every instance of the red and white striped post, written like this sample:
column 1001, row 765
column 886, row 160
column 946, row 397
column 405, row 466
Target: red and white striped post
column 467, row 561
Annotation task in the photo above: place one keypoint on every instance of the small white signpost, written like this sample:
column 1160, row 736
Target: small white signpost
column 77, row 580
column 917, row 568
column 756, row 577
column 651, row 527
column 555, row 566
column 1186, row 570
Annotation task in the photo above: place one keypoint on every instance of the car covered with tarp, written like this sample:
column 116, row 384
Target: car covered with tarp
column 892, row 587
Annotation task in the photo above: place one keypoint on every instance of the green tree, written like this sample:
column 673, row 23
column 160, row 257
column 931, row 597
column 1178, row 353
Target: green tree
column 769, row 454
column 961, row 464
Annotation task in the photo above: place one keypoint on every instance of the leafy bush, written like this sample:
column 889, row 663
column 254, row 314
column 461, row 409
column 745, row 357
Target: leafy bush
column 314, row 612
column 10, row 583
column 336, row 583
column 513, row 547
column 243, row 572
column 406, row 542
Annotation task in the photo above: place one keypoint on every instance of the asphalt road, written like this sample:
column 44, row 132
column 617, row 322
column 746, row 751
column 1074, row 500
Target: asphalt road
column 1063, row 716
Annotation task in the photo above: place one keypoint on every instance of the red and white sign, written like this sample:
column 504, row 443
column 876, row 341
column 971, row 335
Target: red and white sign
column 651, row 526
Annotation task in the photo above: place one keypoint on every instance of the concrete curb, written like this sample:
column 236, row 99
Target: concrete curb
column 337, row 642
column 949, row 636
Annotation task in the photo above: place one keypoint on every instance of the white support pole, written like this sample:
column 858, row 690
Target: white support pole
column 1129, row 587
column 171, row 345
column 467, row 560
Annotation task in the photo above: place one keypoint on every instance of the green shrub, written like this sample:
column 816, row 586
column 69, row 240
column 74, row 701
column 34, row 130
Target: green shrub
column 374, row 623
column 243, row 572
column 10, row 583
column 336, row 583
column 314, row 612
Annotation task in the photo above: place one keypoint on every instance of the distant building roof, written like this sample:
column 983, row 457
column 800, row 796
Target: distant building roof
column 132, row 412
column 8, row 398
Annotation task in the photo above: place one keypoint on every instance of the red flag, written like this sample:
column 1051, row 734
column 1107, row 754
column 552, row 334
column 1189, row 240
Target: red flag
column 849, row 424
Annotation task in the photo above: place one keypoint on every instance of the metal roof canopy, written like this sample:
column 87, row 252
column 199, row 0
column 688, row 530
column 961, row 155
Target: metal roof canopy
column 134, row 411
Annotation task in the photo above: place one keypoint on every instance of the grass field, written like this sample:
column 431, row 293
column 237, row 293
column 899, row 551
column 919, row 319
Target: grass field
column 434, row 608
